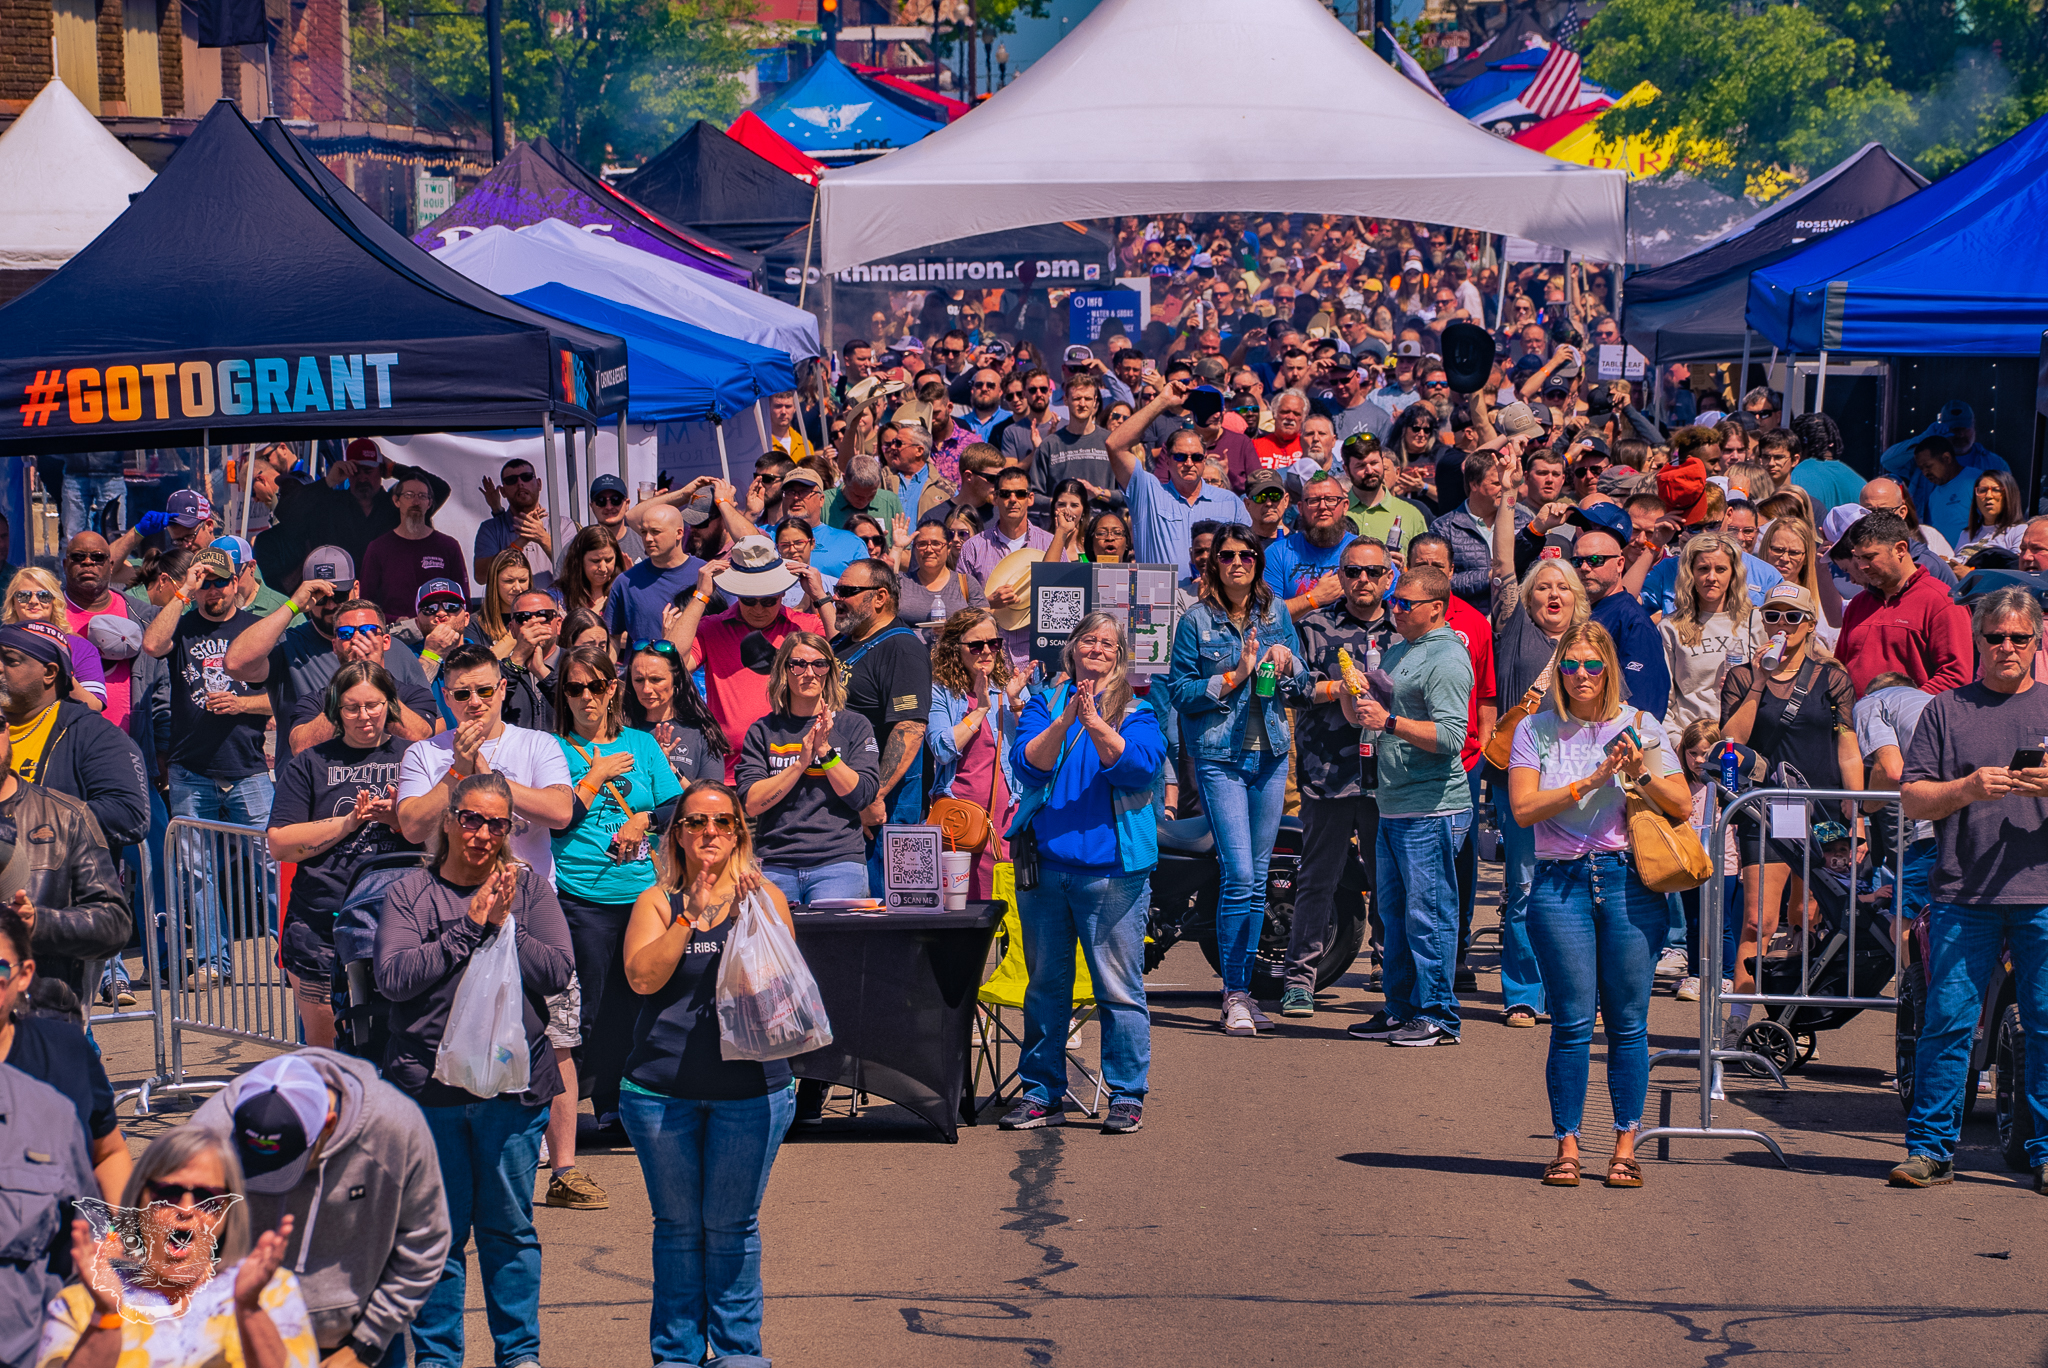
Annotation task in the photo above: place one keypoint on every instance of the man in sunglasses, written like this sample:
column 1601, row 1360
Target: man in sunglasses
column 536, row 622
column 888, row 671
column 532, row 762
column 609, row 505
column 1021, row 438
column 1597, row 556
column 295, row 663
column 1355, row 412
column 522, row 524
column 396, row 564
column 984, row 404
column 1334, row 806
column 1974, row 770
column 1163, row 513
column 88, row 594
column 440, row 617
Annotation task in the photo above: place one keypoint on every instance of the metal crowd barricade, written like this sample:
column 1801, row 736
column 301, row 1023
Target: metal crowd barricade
column 220, row 916
column 1710, row 1056
column 142, row 900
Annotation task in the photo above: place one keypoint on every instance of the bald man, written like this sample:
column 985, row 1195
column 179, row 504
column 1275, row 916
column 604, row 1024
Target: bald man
column 668, row 575
column 88, row 593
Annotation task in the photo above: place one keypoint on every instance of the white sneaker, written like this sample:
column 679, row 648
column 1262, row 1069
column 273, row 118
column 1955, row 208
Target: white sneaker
column 1671, row 964
column 1688, row 988
column 1237, row 1015
column 1727, row 985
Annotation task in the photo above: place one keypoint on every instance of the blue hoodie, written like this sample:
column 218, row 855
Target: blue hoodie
column 1090, row 820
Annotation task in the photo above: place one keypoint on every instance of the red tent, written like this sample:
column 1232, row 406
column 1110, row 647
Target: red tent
column 1548, row 134
column 757, row 137
column 952, row 108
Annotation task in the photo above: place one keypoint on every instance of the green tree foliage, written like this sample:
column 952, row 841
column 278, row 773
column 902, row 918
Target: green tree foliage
column 602, row 77
column 1780, row 92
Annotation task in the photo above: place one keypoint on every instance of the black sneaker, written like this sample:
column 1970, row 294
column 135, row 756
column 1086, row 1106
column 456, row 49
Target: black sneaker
column 1123, row 1118
column 1378, row 1026
column 1419, row 1033
column 1922, row 1171
column 1465, row 981
column 810, row 1103
column 1031, row 1114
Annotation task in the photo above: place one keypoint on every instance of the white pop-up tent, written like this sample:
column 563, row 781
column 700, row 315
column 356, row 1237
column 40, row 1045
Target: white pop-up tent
column 1188, row 106
column 513, row 260
column 66, row 178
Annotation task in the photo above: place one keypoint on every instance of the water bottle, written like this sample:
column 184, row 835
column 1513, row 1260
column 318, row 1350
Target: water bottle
column 1372, row 657
column 1728, row 664
column 1731, row 769
column 1368, row 760
column 938, row 613
column 1262, row 682
column 1394, row 537
column 1774, row 654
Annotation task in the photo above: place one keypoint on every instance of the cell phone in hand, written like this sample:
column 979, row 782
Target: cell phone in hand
column 2028, row 757
column 1628, row 734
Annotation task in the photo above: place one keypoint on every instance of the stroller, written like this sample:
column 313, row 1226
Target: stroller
column 362, row 1018
column 1788, row 1035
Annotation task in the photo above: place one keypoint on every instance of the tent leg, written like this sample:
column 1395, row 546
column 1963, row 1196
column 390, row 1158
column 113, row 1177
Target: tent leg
column 803, row 280
column 622, row 458
column 1500, row 304
column 761, row 425
column 248, row 473
column 547, row 466
column 1820, row 386
column 1742, row 385
column 724, row 465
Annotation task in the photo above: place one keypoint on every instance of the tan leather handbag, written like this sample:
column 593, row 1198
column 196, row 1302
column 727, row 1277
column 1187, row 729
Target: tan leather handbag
column 1501, row 745
column 1667, row 851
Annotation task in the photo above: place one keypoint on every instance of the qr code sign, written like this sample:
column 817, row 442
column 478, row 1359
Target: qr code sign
column 1060, row 608
column 910, row 866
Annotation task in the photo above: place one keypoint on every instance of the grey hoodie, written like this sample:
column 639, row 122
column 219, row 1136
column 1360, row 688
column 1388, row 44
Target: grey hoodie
column 378, row 1242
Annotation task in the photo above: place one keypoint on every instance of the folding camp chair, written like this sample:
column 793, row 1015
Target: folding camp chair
column 1005, row 988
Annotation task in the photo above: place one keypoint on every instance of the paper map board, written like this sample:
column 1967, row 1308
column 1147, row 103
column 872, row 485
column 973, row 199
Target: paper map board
column 1139, row 597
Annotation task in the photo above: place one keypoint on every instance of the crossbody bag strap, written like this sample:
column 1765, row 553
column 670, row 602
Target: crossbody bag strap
column 610, row 786
column 1780, row 721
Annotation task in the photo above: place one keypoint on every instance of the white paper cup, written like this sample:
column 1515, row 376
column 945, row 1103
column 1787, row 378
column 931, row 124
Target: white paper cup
column 954, row 866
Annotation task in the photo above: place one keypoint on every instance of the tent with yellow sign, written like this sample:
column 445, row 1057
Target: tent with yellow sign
column 1574, row 138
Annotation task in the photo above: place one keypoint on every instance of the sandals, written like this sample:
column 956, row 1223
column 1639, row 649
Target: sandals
column 1519, row 1016
column 1624, row 1173
column 1562, row 1171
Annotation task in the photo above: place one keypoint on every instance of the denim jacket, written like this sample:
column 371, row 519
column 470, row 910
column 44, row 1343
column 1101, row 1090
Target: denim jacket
column 948, row 711
column 1206, row 645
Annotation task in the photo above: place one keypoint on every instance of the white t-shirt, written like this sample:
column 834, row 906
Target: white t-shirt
column 523, row 756
column 1561, row 751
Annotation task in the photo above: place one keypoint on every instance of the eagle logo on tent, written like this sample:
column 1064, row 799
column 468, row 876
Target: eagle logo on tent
column 833, row 118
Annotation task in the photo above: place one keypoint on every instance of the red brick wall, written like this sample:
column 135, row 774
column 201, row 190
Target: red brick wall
column 24, row 52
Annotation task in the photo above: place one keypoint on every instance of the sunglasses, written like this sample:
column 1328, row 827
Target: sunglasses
column 1994, row 639
column 759, row 601
column 980, row 644
column 806, row 666
column 1013, row 493
column 366, row 629
column 873, row 538
column 598, row 687
column 847, row 591
column 1369, row 571
column 176, row 1193
column 1037, row 389
column 86, row 558
column 1436, row 384
column 441, row 610
column 1240, row 557
column 1591, row 667
column 608, row 501
column 1593, row 562
column 893, row 444
column 484, row 691
column 34, row 596
column 1408, row 605
column 528, row 478
column 7, row 968
column 1269, row 496
column 530, row 615
column 473, row 822
column 724, row 822
column 1791, row 617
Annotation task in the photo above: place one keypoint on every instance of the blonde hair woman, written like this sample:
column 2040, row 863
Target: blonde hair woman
column 1789, row 546
column 1596, row 929
column 1711, row 620
column 34, row 595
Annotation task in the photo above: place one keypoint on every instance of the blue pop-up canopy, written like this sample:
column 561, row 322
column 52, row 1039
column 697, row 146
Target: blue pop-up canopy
column 676, row 372
column 1956, row 270
column 830, row 111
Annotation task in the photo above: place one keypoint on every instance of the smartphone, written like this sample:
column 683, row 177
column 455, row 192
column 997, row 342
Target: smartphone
column 2028, row 757
column 1628, row 734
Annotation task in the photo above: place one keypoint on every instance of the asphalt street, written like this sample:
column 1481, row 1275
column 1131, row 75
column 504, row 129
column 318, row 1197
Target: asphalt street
column 1302, row 1198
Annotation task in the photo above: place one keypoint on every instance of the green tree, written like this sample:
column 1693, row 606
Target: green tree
column 602, row 77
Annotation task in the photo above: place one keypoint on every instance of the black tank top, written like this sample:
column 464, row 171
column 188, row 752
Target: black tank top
column 675, row 1043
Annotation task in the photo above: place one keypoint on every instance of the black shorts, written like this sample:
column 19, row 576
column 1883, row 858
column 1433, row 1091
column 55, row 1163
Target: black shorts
column 308, row 956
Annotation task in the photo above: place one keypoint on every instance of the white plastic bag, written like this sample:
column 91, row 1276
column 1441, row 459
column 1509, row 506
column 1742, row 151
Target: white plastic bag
column 483, row 1050
column 768, row 1003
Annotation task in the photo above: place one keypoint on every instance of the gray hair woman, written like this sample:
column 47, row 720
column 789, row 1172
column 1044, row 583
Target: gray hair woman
column 170, row 1276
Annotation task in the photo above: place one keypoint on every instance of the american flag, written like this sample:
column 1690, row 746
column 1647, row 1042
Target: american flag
column 1556, row 87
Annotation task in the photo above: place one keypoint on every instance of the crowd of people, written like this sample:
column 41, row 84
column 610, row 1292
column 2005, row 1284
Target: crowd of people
column 1403, row 610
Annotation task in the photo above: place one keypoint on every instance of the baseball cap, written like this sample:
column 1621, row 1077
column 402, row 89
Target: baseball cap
column 117, row 636
column 1212, row 368
column 1518, row 420
column 238, row 551
column 1603, row 517
column 1790, row 595
column 364, row 449
column 441, row 589
column 907, row 345
column 1542, row 414
column 1409, row 348
column 1599, row 401
column 1078, row 355
column 281, row 1107
column 1683, row 488
column 1529, row 364
column 188, row 508
column 215, row 562
column 1262, row 480
column 608, row 484
column 697, row 511
column 1955, row 413
column 329, row 563
column 802, row 477
column 996, row 349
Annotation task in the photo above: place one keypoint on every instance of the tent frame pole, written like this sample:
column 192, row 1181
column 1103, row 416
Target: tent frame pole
column 1820, row 385
column 761, row 425
column 724, row 465
column 803, row 281
column 1742, row 385
column 1500, row 303
column 622, row 458
column 248, row 473
column 547, row 466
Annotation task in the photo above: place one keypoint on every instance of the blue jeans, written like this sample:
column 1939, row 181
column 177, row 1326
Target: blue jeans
column 1244, row 814
column 706, row 1165
column 844, row 879
column 1964, row 941
column 1732, row 909
column 1597, row 933
column 488, row 1152
column 1106, row 915
column 1521, row 978
column 1920, row 857
column 1415, row 880
column 83, row 498
column 243, row 802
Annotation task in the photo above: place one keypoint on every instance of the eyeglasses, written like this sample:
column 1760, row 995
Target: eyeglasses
column 1352, row 572
column 176, row 1193
column 980, row 644
column 34, row 596
column 1325, row 501
column 484, row 691
column 608, row 501
column 363, row 709
column 1408, row 605
column 893, row 444
column 1791, row 617
column 1594, row 666
column 1592, row 562
column 473, row 822
column 86, row 558
column 724, row 822
column 542, row 614
column 806, row 666
column 441, row 610
column 7, row 968
column 365, row 629
column 599, row 687
column 2003, row 638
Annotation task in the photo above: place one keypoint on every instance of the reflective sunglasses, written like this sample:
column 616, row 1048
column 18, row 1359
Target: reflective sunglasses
column 441, row 610
column 1408, row 605
column 1013, row 493
column 1593, row 562
column 543, row 614
column 366, row 629
column 1592, row 667
column 576, row 689
column 473, row 822
column 608, row 501
column 1791, row 617
column 7, row 968
column 1369, row 571
column 806, row 666
column 484, row 691
column 663, row 647
column 1269, row 496
column 34, row 596
column 724, row 822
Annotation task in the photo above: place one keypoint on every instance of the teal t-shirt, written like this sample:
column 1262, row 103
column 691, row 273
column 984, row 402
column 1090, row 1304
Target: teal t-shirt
column 583, row 864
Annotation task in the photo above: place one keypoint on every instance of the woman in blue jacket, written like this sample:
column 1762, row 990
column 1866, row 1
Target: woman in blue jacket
column 1085, row 758
column 1233, row 725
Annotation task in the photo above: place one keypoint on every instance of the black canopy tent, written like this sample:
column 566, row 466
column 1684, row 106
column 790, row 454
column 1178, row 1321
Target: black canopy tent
column 1693, row 308
column 238, row 298
column 712, row 182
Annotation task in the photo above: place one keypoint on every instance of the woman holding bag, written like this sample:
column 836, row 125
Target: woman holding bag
column 705, row 1128
column 1596, row 928
column 433, row 921
column 976, row 697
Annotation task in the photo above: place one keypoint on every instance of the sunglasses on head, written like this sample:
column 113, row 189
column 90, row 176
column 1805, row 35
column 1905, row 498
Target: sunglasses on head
column 1791, row 617
column 484, row 691
column 722, row 822
column 1592, row 667
column 473, row 822
column 576, row 688
column 520, row 619
column 667, row 648
column 1369, row 571
column 365, row 629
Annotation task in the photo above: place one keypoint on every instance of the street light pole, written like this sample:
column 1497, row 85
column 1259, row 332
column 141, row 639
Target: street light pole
column 494, row 30
column 1002, row 65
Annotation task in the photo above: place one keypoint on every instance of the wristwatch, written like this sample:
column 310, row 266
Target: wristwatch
column 831, row 754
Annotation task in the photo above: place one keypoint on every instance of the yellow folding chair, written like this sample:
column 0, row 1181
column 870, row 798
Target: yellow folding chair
column 1005, row 988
